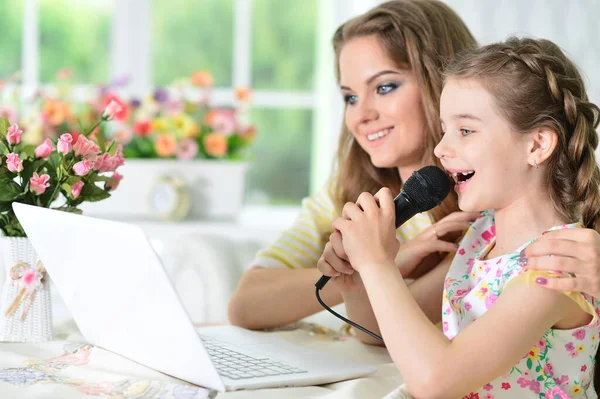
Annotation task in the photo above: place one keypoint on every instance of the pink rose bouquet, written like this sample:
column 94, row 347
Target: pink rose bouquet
column 58, row 173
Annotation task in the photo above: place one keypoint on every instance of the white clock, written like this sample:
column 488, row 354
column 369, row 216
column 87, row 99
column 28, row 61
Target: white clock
column 169, row 198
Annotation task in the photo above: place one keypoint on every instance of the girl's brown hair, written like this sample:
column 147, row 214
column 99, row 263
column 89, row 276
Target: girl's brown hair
column 416, row 34
column 536, row 86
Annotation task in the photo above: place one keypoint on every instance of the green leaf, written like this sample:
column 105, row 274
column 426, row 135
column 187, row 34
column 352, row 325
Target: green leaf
column 100, row 141
column 30, row 167
column 99, row 178
column 93, row 193
column 27, row 152
column 529, row 364
column 4, row 124
column 70, row 209
column 540, row 378
column 10, row 192
column 538, row 368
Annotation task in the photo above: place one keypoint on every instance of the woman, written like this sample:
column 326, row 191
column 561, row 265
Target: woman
column 388, row 64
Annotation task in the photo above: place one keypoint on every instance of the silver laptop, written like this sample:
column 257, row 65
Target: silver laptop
column 122, row 300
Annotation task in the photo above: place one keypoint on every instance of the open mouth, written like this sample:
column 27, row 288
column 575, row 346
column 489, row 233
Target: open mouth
column 463, row 177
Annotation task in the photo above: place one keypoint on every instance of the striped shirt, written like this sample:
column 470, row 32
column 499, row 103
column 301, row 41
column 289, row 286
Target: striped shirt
column 301, row 246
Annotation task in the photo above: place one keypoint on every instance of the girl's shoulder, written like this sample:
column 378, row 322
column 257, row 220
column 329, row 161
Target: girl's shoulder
column 480, row 234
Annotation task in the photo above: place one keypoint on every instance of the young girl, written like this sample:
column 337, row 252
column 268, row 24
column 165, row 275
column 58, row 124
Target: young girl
column 519, row 141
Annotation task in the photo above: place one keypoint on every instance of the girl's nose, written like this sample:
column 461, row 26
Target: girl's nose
column 444, row 148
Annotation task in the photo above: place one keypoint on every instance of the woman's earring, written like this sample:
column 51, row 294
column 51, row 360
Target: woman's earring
column 535, row 164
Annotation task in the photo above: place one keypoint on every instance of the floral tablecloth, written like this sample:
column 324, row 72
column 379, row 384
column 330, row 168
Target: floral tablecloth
column 70, row 368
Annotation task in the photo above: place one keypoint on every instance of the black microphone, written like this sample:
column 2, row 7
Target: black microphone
column 424, row 189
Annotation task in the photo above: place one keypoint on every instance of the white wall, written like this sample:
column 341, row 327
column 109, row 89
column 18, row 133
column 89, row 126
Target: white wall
column 572, row 24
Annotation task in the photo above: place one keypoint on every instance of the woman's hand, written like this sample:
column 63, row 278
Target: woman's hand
column 334, row 263
column 575, row 251
column 424, row 251
column 368, row 231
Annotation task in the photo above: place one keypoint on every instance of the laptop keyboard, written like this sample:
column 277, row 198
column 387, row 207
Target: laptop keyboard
column 237, row 366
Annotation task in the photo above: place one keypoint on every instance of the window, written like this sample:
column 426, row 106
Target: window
column 283, row 44
column 75, row 34
column 190, row 35
column 11, row 38
column 267, row 45
column 282, row 176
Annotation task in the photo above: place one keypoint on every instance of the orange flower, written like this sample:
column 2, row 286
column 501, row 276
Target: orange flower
column 165, row 145
column 55, row 112
column 243, row 94
column 215, row 145
column 202, row 78
column 210, row 117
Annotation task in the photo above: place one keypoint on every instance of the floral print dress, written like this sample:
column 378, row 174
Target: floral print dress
column 561, row 364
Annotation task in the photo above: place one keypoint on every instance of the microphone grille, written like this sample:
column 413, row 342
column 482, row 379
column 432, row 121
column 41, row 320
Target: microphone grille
column 427, row 187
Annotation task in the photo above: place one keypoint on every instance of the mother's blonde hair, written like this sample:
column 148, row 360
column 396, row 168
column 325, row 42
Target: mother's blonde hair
column 416, row 34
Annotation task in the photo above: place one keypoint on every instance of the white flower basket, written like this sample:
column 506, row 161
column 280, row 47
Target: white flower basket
column 26, row 314
column 175, row 189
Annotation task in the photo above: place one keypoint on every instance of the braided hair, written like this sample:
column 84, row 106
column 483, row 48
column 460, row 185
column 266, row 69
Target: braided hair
column 535, row 85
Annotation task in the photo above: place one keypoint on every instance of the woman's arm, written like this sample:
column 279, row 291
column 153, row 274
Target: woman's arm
column 435, row 367
column 575, row 251
column 269, row 297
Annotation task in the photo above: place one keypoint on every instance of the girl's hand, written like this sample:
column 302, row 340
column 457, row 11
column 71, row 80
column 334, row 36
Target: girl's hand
column 575, row 251
column 368, row 231
column 334, row 263
column 424, row 252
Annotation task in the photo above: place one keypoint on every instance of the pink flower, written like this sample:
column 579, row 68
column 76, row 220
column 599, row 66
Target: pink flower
column 488, row 387
column 556, row 393
column 103, row 163
column 82, row 168
column 542, row 345
column 223, row 122
column 13, row 135
column 38, row 184
column 14, row 163
column 76, row 189
column 445, row 326
column 187, row 149
column 86, row 148
column 468, row 306
column 44, row 150
column 548, row 370
column 461, row 251
column 563, row 379
column 579, row 334
column 64, row 145
column 523, row 382
column 489, row 234
column 583, row 368
column 535, row 386
column 112, row 185
column 506, row 386
column 489, row 301
column 570, row 347
column 101, row 389
column 115, row 109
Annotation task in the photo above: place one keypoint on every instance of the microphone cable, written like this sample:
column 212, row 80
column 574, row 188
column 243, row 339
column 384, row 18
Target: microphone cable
column 339, row 316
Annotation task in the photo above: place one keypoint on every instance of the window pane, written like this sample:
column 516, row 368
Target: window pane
column 283, row 44
column 192, row 35
column 280, row 168
column 11, row 20
column 75, row 34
